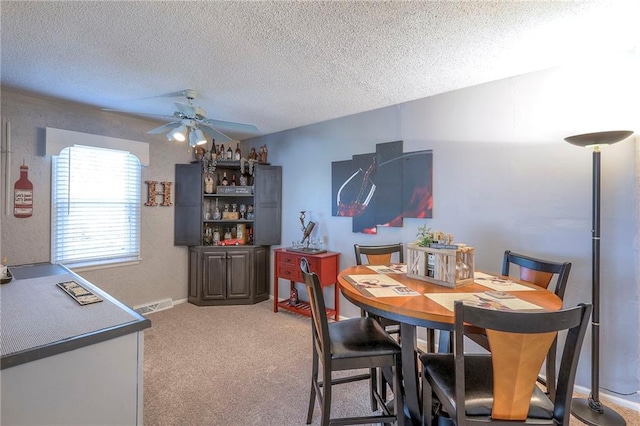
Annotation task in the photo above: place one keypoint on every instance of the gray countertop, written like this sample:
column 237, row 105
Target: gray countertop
column 38, row 319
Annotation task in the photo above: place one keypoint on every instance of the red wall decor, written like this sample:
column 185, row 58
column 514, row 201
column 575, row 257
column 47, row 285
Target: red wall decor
column 23, row 194
column 383, row 187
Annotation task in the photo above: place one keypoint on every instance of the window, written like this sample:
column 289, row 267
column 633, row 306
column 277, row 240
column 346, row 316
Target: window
column 95, row 206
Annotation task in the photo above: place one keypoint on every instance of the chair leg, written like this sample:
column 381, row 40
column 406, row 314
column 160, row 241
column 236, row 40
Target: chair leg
column 427, row 403
column 326, row 396
column 398, row 399
column 373, row 386
column 314, row 383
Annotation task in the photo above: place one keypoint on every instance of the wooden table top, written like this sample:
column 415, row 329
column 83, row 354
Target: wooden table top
column 423, row 311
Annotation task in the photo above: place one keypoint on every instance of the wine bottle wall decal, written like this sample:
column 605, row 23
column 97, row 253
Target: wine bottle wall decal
column 23, row 194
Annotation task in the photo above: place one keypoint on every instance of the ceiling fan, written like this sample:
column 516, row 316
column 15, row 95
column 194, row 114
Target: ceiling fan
column 191, row 122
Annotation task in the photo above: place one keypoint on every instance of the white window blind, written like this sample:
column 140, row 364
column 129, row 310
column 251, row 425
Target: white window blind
column 95, row 206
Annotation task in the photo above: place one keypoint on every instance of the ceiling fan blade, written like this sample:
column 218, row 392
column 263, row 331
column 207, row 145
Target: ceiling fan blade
column 231, row 126
column 165, row 128
column 186, row 109
column 215, row 134
column 180, row 93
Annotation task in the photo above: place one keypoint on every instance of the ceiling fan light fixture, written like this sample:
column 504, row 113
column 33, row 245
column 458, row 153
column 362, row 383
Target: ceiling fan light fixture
column 178, row 134
column 196, row 137
column 200, row 137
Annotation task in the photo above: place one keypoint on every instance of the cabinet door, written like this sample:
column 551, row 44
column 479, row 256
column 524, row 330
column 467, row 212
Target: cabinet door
column 238, row 264
column 268, row 205
column 261, row 273
column 188, row 198
column 214, row 275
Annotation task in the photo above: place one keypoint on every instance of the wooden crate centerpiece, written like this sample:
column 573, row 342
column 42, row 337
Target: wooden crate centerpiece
column 451, row 267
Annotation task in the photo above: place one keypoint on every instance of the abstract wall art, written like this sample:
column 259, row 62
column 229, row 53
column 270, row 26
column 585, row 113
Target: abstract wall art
column 382, row 188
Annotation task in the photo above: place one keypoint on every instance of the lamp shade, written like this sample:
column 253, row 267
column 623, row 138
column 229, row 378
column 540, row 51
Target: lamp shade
column 599, row 138
column 179, row 133
column 196, row 137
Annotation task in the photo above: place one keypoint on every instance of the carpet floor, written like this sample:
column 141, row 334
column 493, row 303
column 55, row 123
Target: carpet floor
column 240, row 365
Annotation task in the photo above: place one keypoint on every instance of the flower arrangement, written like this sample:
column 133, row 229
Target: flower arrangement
column 425, row 236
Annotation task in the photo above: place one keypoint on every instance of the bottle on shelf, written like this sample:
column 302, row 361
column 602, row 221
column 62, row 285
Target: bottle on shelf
column 208, row 184
column 227, row 234
column 218, row 183
column 207, row 239
column 243, row 179
column 225, row 181
column 216, row 235
column 233, row 179
column 238, row 154
column 229, row 154
column 293, row 297
column 23, row 194
column 217, row 215
column 221, row 152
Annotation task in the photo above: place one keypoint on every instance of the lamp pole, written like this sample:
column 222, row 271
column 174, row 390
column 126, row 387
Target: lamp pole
column 591, row 411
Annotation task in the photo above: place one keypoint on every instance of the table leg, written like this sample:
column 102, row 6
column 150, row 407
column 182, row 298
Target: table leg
column 410, row 372
column 336, row 295
column 275, row 292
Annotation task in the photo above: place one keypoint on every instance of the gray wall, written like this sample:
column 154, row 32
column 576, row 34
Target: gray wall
column 162, row 272
column 503, row 179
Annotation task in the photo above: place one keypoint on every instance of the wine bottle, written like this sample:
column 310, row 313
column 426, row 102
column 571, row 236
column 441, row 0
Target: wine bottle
column 218, row 180
column 221, row 152
column 233, row 180
column 23, row 194
column 225, row 181
column 237, row 154
column 229, row 153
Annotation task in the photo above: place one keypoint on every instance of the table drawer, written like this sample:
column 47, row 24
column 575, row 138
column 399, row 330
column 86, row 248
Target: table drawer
column 293, row 260
column 289, row 272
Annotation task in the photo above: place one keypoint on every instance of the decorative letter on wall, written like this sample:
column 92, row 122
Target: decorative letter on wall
column 382, row 188
column 151, row 193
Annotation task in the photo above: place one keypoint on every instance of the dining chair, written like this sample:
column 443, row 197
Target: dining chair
column 384, row 254
column 541, row 272
column 500, row 387
column 380, row 255
column 351, row 344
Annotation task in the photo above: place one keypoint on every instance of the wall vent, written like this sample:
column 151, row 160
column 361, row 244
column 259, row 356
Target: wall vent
column 154, row 306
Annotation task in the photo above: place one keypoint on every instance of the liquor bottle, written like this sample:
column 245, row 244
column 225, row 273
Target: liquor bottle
column 23, row 194
column 225, row 181
column 229, row 153
column 233, row 180
column 221, row 152
column 237, row 154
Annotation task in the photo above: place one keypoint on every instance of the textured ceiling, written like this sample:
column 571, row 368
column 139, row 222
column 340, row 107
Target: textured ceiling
column 281, row 65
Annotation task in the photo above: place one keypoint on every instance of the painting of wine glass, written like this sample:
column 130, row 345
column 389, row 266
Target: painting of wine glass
column 382, row 188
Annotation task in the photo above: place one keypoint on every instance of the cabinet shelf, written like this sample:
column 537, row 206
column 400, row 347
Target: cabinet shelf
column 303, row 308
column 228, row 195
column 228, row 221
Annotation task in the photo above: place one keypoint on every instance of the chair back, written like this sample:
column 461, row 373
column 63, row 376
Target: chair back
column 320, row 322
column 538, row 271
column 378, row 255
column 519, row 342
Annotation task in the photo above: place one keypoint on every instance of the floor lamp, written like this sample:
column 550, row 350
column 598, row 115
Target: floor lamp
column 591, row 411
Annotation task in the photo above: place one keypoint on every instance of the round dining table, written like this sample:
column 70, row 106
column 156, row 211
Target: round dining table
column 419, row 310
